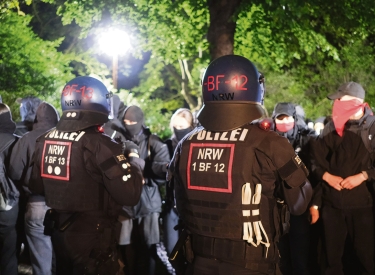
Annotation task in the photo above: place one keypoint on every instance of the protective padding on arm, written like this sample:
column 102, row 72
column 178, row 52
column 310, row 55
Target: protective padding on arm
column 294, row 172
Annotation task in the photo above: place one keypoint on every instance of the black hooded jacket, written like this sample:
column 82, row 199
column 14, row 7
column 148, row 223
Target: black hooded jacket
column 7, row 141
column 299, row 137
column 156, row 155
column 20, row 163
column 344, row 156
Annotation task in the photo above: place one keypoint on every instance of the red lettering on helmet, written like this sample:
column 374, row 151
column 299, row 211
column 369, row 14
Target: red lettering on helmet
column 218, row 80
column 86, row 92
column 237, row 82
column 89, row 92
column 69, row 89
column 243, row 83
column 210, row 83
column 73, row 88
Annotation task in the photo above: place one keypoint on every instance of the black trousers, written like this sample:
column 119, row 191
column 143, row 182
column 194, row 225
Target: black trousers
column 294, row 247
column 358, row 225
column 85, row 247
column 8, row 242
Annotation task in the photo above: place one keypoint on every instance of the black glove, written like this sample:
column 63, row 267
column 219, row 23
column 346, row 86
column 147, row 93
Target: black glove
column 130, row 147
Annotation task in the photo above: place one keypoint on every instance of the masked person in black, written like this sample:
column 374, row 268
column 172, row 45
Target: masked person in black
column 140, row 224
column 228, row 174
column 182, row 123
column 40, row 245
column 295, row 245
column 86, row 179
column 343, row 161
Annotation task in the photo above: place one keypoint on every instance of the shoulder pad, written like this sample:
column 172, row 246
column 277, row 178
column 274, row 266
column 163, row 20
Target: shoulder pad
column 265, row 124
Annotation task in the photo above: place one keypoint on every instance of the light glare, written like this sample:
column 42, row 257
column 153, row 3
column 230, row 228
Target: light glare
column 114, row 42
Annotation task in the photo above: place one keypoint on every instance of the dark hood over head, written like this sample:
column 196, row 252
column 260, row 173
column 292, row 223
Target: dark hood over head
column 114, row 126
column 46, row 117
column 135, row 114
column 7, row 124
column 118, row 106
column 28, row 107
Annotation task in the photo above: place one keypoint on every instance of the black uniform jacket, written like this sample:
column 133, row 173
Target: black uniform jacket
column 343, row 156
column 20, row 162
column 69, row 167
column 156, row 155
column 209, row 170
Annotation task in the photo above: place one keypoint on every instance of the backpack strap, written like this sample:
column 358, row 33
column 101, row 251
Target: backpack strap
column 365, row 133
column 4, row 146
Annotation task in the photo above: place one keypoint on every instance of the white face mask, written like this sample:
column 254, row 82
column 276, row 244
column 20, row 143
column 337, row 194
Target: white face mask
column 284, row 125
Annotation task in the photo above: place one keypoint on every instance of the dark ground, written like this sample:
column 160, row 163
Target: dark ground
column 163, row 267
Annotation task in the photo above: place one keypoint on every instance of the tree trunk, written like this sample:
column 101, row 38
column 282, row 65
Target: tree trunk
column 185, row 91
column 220, row 34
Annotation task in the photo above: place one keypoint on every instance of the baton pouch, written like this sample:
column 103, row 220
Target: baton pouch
column 50, row 222
column 284, row 215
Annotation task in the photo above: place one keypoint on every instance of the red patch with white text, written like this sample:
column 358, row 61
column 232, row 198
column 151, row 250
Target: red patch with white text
column 56, row 160
column 209, row 167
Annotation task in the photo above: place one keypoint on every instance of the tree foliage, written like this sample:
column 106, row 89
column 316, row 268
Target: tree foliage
column 28, row 65
column 305, row 49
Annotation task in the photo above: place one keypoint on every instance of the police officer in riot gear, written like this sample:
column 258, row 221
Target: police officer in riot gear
column 228, row 174
column 86, row 180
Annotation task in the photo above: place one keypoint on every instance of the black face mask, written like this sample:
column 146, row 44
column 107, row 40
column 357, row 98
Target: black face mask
column 181, row 133
column 132, row 130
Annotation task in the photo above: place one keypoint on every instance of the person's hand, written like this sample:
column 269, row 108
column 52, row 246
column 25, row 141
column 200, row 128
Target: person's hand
column 131, row 149
column 333, row 181
column 353, row 181
column 314, row 215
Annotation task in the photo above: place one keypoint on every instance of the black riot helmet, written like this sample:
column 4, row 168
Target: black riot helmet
column 232, row 94
column 85, row 102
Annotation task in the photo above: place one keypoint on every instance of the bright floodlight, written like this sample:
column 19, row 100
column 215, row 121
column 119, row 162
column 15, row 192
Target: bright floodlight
column 114, row 42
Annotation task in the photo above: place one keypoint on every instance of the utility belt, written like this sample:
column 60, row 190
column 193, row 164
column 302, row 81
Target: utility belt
column 52, row 221
column 90, row 222
column 238, row 253
column 235, row 252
